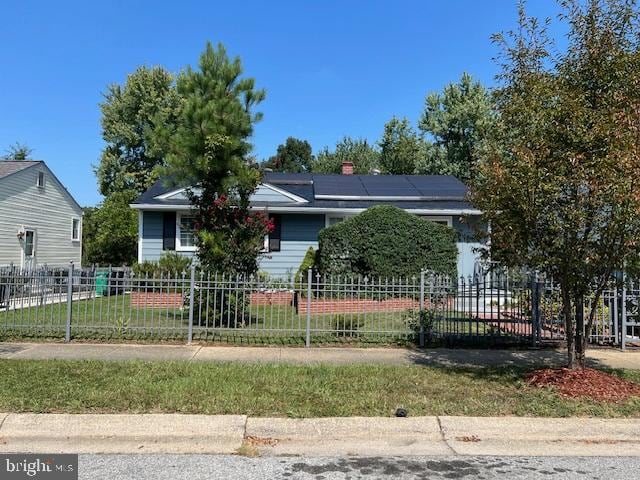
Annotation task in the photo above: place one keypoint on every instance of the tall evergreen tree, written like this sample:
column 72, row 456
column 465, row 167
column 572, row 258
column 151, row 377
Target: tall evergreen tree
column 209, row 150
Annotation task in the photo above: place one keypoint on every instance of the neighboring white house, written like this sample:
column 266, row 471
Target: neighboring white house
column 40, row 222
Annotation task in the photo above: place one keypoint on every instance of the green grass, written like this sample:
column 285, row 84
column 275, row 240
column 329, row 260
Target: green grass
column 284, row 390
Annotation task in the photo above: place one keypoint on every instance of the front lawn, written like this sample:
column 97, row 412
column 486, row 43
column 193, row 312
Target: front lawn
column 284, row 390
column 116, row 318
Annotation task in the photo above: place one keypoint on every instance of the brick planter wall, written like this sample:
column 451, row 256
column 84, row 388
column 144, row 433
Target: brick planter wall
column 156, row 299
column 357, row 305
column 272, row 298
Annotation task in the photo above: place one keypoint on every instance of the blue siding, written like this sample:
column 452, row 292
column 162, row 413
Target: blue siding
column 301, row 228
column 299, row 232
column 151, row 235
column 467, row 244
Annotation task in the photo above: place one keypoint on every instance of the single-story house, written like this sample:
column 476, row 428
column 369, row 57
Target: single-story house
column 302, row 204
column 40, row 222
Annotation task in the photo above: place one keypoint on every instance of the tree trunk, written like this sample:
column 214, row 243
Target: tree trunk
column 580, row 341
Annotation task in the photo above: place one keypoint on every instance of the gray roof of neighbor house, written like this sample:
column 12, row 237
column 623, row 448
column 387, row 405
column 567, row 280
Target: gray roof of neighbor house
column 335, row 191
column 7, row 167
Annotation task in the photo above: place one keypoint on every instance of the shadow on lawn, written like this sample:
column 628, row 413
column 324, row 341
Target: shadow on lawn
column 475, row 358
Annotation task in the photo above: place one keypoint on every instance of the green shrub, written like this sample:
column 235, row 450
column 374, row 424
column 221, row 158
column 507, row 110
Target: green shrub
column 386, row 241
column 170, row 264
column 174, row 262
column 309, row 261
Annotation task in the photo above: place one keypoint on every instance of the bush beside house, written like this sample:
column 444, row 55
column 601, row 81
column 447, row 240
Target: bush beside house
column 385, row 241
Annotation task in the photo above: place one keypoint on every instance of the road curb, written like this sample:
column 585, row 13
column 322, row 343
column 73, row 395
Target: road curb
column 362, row 436
column 338, row 436
column 542, row 436
column 146, row 433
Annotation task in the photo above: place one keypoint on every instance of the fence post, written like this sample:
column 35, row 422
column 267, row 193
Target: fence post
column 307, row 341
column 192, row 296
column 623, row 329
column 67, row 336
column 535, row 311
column 421, row 314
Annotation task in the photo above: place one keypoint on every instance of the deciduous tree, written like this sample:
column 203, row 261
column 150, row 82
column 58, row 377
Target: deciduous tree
column 110, row 231
column 131, row 114
column 294, row 156
column 364, row 156
column 18, row 152
column 455, row 123
column 400, row 148
column 559, row 182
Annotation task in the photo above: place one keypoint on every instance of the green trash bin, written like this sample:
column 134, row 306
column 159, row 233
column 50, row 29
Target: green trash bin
column 102, row 283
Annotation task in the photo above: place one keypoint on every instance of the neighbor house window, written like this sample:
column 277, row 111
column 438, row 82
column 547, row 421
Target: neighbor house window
column 29, row 242
column 75, row 230
column 40, row 180
column 185, row 232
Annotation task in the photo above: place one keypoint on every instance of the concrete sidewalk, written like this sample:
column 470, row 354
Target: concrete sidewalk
column 361, row 436
column 295, row 355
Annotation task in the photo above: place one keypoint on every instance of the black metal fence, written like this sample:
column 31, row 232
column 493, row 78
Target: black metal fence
column 190, row 306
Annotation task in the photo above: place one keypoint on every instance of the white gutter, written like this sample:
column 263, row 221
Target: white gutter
column 276, row 209
column 398, row 198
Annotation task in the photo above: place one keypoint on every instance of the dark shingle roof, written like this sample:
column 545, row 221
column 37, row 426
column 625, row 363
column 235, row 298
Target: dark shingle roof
column 7, row 167
column 351, row 191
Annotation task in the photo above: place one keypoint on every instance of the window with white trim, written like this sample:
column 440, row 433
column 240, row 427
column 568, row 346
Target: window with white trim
column 444, row 220
column 75, row 230
column 185, row 232
column 40, row 180
column 272, row 240
column 332, row 219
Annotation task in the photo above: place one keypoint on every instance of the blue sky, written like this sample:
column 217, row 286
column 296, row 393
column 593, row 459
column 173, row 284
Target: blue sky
column 330, row 68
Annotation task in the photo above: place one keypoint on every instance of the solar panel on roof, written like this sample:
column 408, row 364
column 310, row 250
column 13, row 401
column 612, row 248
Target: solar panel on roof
column 338, row 185
column 387, row 186
column 436, row 185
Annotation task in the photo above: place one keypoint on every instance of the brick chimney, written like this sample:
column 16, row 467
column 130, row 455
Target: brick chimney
column 347, row 168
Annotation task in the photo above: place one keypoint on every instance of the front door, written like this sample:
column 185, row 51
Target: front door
column 29, row 249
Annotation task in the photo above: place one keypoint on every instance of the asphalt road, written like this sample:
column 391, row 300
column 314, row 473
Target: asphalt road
column 225, row 467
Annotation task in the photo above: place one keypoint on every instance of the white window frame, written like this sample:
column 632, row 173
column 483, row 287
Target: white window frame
column 343, row 216
column 38, row 176
column 179, row 246
column 76, row 239
column 439, row 219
